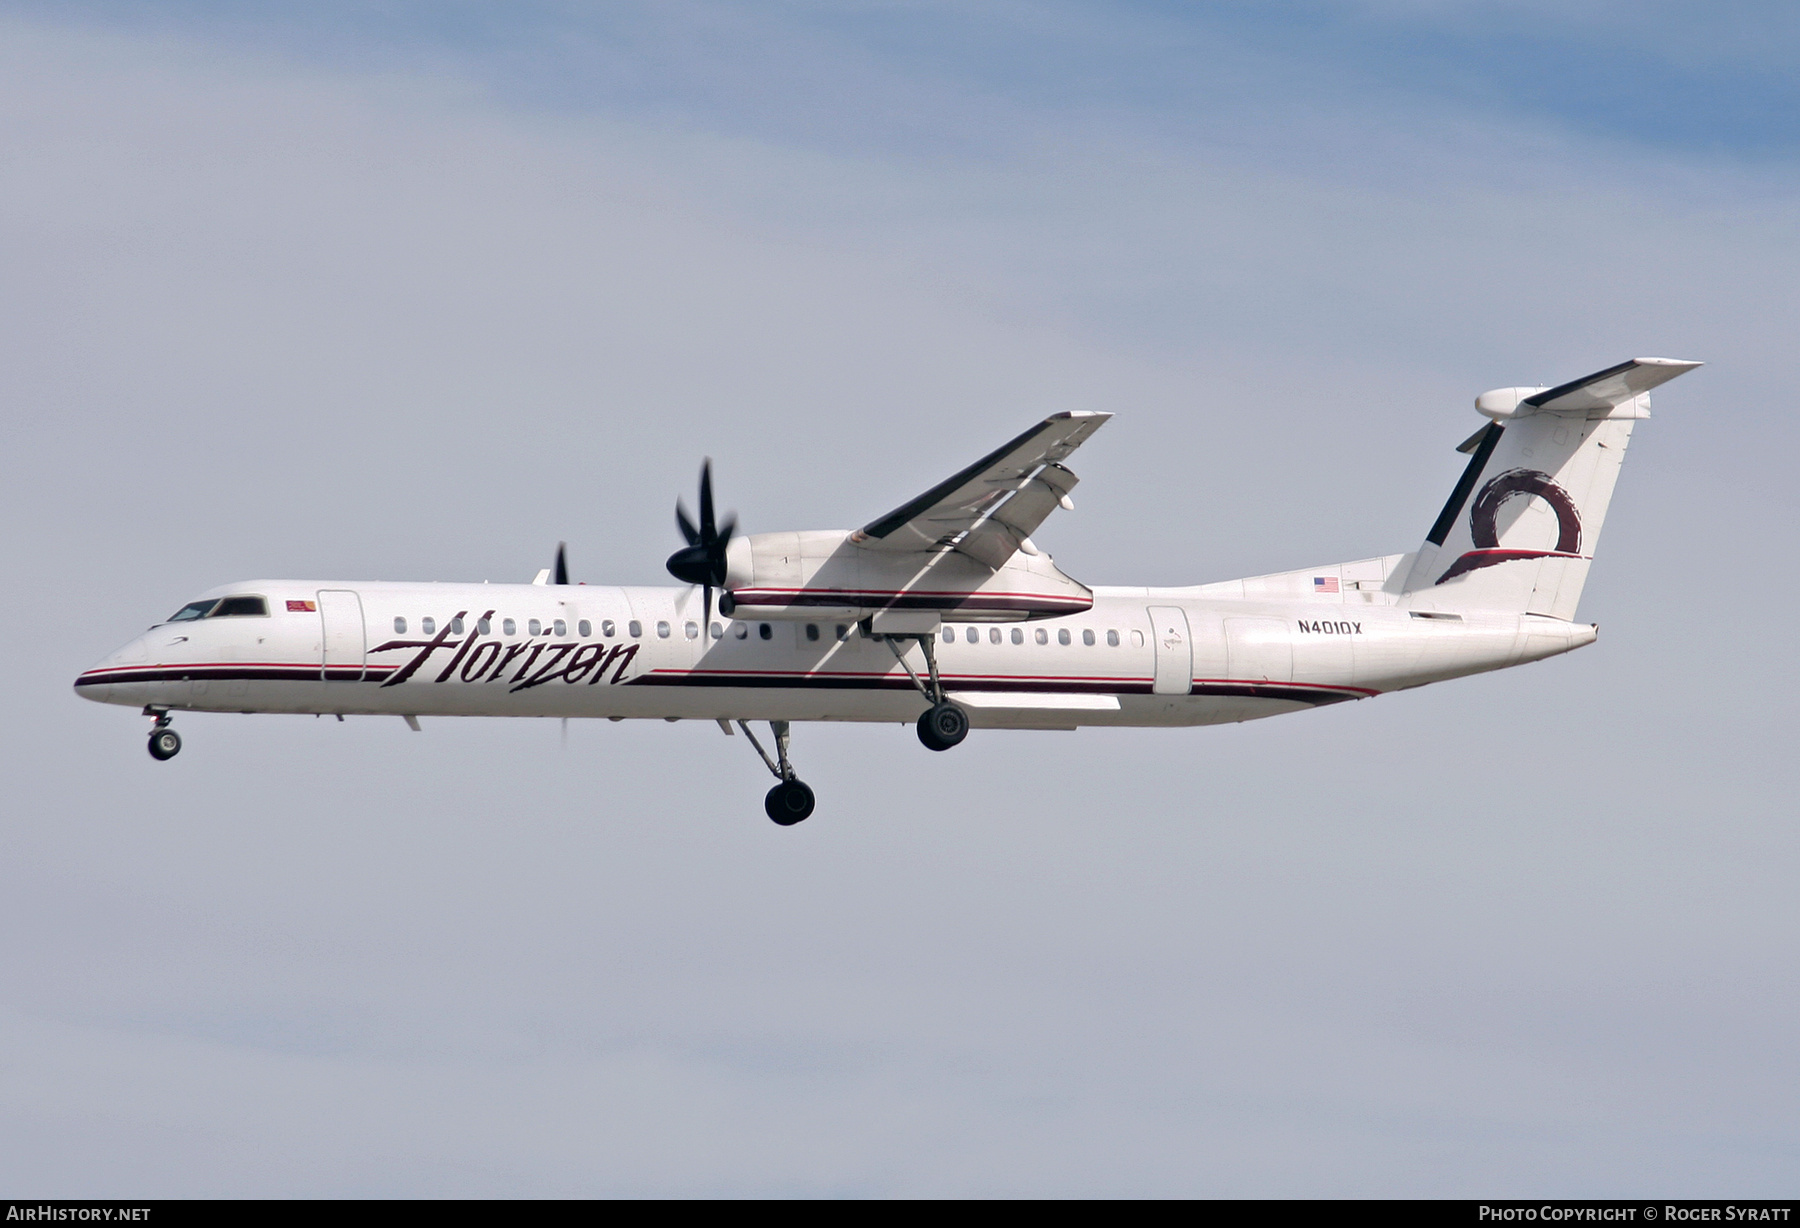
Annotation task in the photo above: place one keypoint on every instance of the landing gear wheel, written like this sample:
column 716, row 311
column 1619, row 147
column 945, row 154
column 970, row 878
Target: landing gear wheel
column 943, row 726
column 789, row 802
column 164, row 744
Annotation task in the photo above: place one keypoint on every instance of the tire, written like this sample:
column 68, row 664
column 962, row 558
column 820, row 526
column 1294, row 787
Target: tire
column 943, row 726
column 789, row 802
column 164, row 744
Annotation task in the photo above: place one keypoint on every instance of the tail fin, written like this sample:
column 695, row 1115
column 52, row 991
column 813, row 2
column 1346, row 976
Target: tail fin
column 1559, row 450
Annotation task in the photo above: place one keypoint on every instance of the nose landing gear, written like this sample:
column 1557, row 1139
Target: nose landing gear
column 165, row 743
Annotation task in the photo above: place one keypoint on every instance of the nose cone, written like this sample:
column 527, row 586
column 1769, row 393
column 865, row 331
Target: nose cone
column 103, row 682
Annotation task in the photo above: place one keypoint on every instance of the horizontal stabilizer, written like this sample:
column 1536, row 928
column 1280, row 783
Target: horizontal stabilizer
column 1610, row 388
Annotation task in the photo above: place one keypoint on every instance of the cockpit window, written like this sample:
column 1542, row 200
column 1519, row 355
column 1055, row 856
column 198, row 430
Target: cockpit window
column 228, row 607
column 193, row 610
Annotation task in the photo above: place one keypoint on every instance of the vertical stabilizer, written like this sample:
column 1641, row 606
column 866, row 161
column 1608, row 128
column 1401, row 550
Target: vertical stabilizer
column 1519, row 529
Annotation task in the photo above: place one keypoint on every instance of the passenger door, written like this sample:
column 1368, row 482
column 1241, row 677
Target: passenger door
column 342, row 643
column 1174, row 650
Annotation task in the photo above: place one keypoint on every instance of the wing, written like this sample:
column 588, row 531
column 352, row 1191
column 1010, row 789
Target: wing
column 989, row 508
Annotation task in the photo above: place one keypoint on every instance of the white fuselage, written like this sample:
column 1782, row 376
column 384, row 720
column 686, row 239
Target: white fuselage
column 1185, row 656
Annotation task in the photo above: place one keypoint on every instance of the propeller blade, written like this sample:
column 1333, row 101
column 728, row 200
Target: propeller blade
column 702, row 562
column 562, row 564
column 707, row 530
column 706, row 625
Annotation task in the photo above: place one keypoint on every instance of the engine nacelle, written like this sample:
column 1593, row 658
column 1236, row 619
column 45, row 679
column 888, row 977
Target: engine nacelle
column 828, row 575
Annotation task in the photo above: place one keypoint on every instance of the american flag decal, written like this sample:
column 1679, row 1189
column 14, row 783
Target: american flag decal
column 301, row 607
column 1325, row 584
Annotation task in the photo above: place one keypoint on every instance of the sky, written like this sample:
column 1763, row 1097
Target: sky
column 416, row 291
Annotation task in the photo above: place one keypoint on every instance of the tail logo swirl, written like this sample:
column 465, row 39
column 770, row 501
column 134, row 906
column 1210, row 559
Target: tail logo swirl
column 1484, row 529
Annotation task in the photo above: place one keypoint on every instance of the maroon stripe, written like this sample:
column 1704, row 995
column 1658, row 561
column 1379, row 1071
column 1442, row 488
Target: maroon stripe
column 1318, row 698
column 1356, row 692
column 899, row 592
column 232, row 673
column 888, row 682
column 801, row 599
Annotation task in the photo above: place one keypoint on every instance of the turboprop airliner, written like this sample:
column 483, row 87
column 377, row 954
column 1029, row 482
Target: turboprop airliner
column 944, row 613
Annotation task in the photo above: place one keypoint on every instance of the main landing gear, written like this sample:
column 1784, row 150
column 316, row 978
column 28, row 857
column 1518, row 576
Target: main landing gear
column 791, row 800
column 165, row 743
column 944, row 724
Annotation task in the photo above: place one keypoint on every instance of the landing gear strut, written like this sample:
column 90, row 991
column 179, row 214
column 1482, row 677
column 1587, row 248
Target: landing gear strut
column 790, row 800
column 944, row 724
column 165, row 743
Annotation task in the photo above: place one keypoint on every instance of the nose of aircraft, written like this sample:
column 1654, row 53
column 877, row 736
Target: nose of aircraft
column 96, row 683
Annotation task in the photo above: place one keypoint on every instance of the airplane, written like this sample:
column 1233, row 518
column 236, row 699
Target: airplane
column 944, row 613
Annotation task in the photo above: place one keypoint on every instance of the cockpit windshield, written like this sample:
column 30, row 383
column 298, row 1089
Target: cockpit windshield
column 221, row 607
column 193, row 610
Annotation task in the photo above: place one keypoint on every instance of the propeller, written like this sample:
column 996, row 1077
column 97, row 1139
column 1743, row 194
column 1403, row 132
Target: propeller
column 561, row 574
column 702, row 560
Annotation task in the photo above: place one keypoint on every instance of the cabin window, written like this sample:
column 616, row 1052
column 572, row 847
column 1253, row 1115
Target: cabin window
column 1062, row 636
column 456, row 625
column 843, row 632
column 428, row 625
column 241, row 607
column 192, row 610
column 607, row 628
column 691, row 630
column 399, row 626
column 508, row 627
column 1018, row 636
column 949, row 635
column 718, row 632
column 560, row 627
column 1042, row 636
column 585, row 627
column 482, row 627
column 765, row 631
column 535, row 627
column 972, row 635
column 1137, row 639
column 741, row 630
column 662, row 631
column 1112, row 639
column 812, row 631
column 636, row 628
column 993, row 635
column 1087, row 636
